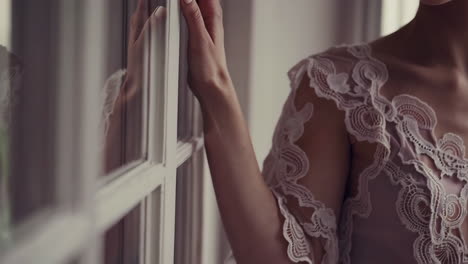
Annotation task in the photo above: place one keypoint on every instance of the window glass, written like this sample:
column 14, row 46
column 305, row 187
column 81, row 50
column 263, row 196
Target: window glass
column 136, row 33
column 188, row 211
column 122, row 241
column 28, row 78
column 185, row 98
column 153, row 226
column 184, row 114
column 189, row 116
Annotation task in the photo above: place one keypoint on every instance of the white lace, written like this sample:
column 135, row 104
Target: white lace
column 109, row 96
column 403, row 129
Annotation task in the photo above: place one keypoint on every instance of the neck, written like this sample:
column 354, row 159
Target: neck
column 439, row 35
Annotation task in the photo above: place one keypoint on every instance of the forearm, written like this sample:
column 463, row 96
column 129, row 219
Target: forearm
column 248, row 208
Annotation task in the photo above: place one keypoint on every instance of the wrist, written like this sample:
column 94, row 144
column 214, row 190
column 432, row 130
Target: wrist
column 219, row 110
column 217, row 95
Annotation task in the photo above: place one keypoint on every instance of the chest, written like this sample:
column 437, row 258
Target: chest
column 443, row 98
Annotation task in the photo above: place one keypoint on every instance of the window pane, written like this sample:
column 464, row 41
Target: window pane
column 28, row 77
column 184, row 118
column 189, row 115
column 188, row 212
column 122, row 241
column 133, row 29
column 153, row 227
column 184, row 125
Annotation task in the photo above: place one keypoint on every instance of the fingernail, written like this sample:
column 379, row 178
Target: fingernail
column 188, row 1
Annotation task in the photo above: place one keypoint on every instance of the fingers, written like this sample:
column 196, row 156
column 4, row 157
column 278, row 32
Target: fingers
column 156, row 20
column 142, row 6
column 213, row 16
column 138, row 20
column 194, row 19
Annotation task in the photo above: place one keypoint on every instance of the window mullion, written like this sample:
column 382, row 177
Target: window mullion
column 170, row 120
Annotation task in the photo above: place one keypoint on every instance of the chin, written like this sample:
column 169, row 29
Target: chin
column 435, row 2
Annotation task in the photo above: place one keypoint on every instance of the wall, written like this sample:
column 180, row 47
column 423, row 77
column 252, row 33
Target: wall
column 284, row 33
column 397, row 13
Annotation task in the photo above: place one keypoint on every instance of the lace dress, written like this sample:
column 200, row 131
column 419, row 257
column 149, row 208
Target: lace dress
column 405, row 198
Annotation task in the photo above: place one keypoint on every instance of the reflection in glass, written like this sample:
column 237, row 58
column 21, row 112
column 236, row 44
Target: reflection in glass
column 131, row 36
column 183, row 208
column 185, row 98
column 26, row 117
column 122, row 241
column 30, row 75
column 188, row 207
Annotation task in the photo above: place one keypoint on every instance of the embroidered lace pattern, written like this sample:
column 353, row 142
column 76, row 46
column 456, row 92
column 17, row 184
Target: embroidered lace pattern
column 109, row 96
column 407, row 152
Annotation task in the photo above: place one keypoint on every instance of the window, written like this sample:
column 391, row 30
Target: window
column 396, row 13
column 103, row 147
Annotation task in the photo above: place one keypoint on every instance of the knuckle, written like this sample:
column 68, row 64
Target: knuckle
column 215, row 14
column 217, row 17
column 195, row 14
column 218, row 13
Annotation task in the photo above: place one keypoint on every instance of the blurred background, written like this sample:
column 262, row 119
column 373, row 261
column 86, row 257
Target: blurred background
column 101, row 157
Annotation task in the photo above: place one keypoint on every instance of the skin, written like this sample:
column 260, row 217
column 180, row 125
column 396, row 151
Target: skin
column 430, row 53
column 428, row 57
column 248, row 208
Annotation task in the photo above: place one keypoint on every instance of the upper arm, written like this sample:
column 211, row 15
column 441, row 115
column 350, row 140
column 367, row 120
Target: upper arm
column 307, row 170
column 325, row 142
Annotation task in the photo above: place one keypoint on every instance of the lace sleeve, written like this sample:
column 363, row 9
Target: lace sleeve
column 109, row 95
column 308, row 165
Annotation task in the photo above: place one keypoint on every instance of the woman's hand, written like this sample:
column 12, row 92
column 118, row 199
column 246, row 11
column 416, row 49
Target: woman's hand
column 248, row 208
column 208, row 74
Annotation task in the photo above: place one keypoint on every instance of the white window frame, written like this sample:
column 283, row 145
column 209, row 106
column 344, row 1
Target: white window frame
column 76, row 228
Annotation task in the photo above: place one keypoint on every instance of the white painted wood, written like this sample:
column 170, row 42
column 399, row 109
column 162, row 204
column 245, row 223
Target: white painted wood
column 153, row 228
column 54, row 241
column 157, row 94
column 117, row 198
column 172, row 83
column 143, row 232
column 89, row 135
column 68, row 109
column 190, row 207
column 185, row 150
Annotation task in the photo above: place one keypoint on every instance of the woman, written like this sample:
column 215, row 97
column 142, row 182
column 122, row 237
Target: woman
column 367, row 163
